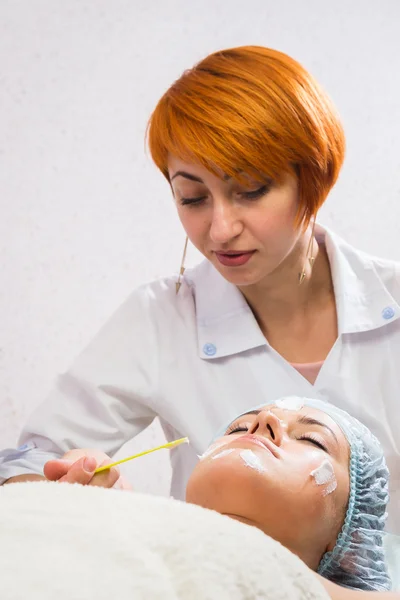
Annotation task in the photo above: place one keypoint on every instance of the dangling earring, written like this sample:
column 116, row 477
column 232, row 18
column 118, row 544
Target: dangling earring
column 182, row 269
column 309, row 255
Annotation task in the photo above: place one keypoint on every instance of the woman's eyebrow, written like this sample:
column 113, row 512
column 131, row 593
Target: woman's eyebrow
column 193, row 177
column 251, row 412
column 187, row 176
column 310, row 421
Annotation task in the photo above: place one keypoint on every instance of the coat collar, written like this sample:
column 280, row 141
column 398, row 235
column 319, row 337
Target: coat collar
column 226, row 324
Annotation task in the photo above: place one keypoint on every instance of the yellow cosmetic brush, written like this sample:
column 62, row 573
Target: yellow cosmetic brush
column 184, row 440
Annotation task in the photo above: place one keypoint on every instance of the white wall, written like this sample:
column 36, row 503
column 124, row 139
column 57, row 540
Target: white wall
column 85, row 217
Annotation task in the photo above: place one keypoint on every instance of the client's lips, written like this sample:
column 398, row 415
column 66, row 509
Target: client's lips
column 259, row 441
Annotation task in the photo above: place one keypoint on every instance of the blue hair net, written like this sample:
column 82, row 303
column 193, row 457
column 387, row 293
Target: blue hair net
column 358, row 559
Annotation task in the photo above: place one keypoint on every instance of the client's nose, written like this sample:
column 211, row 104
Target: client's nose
column 268, row 424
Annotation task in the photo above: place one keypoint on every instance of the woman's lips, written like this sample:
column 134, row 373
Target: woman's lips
column 259, row 441
column 234, row 259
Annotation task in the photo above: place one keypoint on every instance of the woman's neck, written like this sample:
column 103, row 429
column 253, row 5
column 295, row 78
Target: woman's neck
column 279, row 296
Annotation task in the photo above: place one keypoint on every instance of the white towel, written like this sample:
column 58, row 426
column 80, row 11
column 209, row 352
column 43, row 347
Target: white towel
column 68, row 542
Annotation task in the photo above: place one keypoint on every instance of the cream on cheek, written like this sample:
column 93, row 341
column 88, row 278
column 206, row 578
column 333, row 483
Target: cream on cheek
column 324, row 476
column 211, row 449
column 223, row 453
column 249, row 458
column 252, row 461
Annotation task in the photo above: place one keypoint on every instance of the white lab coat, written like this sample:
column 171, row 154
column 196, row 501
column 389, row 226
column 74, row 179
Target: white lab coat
column 198, row 359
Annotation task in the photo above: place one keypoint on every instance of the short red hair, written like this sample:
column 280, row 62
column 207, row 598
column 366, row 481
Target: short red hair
column 256, row 111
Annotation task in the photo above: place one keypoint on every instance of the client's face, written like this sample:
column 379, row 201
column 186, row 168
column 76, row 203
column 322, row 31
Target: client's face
column 284, row 471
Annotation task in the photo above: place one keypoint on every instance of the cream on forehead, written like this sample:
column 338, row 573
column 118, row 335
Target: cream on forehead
column 290, row 403
column 325, row 475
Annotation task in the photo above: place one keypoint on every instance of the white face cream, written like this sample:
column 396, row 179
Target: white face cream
column 211, row 449
column 325, row 475
column 290, row 403
column 223, row 453
column 251, row 460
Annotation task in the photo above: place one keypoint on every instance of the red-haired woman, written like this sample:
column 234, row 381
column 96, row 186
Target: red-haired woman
column 250, row 146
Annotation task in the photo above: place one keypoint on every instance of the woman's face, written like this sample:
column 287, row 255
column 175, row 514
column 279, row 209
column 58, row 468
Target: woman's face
column 284, row 471
column 246, row 231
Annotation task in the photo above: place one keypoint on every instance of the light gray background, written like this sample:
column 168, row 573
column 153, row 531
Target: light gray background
column 85, row 217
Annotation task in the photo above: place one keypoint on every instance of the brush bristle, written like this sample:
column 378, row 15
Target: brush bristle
column 179, row 442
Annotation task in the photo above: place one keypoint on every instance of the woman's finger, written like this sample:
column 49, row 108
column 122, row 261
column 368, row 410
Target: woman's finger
column 55, row 469
column 81, row 471
column 107, row 478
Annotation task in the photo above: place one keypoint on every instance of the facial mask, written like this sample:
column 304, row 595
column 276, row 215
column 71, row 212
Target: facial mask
column 290, row 403
column 251, row 460
column 210, row 450
column 223, row 453
column 325, row 475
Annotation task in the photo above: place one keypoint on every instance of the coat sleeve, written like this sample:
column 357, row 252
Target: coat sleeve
column 105, row 398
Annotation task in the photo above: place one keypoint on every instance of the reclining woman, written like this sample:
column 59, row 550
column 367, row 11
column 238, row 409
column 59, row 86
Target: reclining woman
column 306, row 474
column 310, row 476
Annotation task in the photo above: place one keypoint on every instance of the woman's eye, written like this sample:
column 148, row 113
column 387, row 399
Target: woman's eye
column 253, row 195
column 236, row 430
column 192, row 201
column 314, row 441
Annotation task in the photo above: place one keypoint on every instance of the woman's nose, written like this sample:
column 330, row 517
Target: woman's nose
column 267, row 423
column 225, row 224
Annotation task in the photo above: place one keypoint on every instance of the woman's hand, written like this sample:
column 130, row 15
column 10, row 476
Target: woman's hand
column 78, row 466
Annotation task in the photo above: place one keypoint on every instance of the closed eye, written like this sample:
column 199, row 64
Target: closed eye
column 253, row 195
column 192, row 201
column 314, row 441
column 236, row 430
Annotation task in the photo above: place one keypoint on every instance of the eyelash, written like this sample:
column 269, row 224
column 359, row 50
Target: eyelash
column 191, row 201
column 314, row 441
column 236, row 429
column 308, row 438
column 254, row 195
